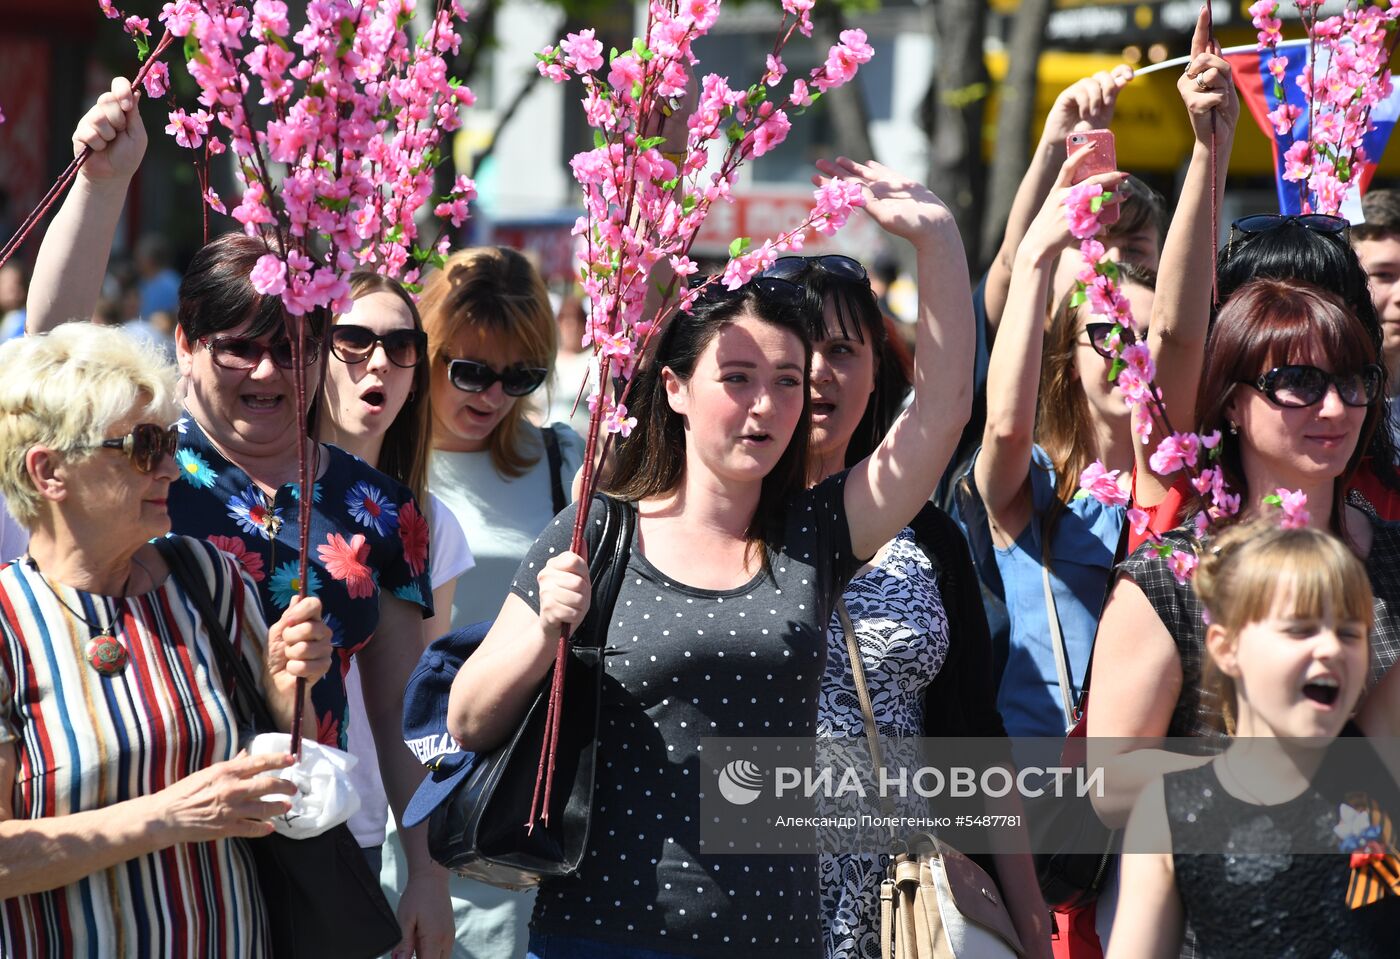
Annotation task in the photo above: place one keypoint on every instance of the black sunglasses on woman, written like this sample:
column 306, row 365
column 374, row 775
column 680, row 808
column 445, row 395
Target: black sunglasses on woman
column 146, row 445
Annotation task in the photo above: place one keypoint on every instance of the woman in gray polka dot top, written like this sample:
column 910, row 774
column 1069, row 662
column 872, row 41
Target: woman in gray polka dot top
column 919, row 623
column 719, row 628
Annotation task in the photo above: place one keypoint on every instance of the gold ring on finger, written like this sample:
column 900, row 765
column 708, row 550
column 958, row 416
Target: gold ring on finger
column 1201, row 84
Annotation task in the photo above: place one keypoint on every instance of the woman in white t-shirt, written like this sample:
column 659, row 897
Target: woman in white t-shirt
column 492, row 341
column 375, row 404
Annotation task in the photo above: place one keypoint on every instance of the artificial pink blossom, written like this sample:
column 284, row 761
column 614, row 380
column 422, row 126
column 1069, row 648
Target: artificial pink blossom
column 269, row 275
column 137, row 25
column 1102, row 484
column 1138, row 520
column 1083, row 220
column 585, row 52
column 1175, row 452
column 1282, row 117
column 1183, row 565
column 157, row 80
column 1294, row 505
column 188, row 129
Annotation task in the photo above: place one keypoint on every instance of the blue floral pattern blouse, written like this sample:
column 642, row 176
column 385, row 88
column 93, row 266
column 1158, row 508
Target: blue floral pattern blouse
column 367, row 534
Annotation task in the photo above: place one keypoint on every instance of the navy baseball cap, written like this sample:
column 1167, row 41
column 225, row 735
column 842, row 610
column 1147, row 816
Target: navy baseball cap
column 425, row 720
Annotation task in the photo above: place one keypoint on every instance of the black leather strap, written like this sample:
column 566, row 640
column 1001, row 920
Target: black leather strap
column 248, row 706
column 556, row 467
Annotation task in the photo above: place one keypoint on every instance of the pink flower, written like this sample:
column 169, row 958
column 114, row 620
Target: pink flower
column 1138, row 520
column 771, row 133
column 1083, row 221
column 188, row 130
column 1282, row 117
column 413, row 533
column 157, row 80
column 777, row 69
column 179, row 16
column 1102, row 484
column 585, row 52
column 271, row 16
column 135, row 25
column 215, row 202
column 1297, row 163
column 1183, row 565
column 269, row 275
column 800, row 96
column 106, row 7
column 252, row 562
column 1294, row 505
column 1278, row 67
column 835, row 201
column 345, row 561
column 1175, row 452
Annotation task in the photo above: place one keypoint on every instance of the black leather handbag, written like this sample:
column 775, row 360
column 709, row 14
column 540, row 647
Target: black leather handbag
column 479, row 831
column 321, row 899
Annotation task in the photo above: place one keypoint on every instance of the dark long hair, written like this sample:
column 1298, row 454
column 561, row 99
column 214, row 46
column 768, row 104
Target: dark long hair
column 1273, row 322
column 651, row 462
column 1327, row 261
column 859, row 317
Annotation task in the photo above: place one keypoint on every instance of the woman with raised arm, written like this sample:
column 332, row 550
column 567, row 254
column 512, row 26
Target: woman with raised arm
column 238, row 482
column 1047, row 420
column 919, row 626
column 720, row 623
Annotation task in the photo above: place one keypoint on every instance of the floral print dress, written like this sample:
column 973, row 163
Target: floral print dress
column 367, row 534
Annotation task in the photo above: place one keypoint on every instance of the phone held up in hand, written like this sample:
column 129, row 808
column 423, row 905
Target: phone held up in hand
column 1103, row 159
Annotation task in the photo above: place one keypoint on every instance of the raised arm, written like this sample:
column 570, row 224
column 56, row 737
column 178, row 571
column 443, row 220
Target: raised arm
column 73, row 256
column 1086, row 104
column 1181, row 308
column 1013, row 375
column 886, row 489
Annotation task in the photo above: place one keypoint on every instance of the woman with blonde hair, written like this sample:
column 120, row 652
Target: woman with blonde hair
column 125, row 801
column 492, row 339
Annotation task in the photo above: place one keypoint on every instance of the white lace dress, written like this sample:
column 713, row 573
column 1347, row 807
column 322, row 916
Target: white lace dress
column 902, row 633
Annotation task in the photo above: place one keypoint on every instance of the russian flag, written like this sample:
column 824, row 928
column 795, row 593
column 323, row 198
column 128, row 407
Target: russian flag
column 1256, row 86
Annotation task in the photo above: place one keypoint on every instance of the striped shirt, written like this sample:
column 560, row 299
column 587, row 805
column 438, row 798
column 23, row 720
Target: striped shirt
column 85, row 741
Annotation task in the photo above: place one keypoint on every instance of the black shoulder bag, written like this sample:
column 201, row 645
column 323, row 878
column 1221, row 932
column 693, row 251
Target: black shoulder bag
column 479, row 831
column 322, row 901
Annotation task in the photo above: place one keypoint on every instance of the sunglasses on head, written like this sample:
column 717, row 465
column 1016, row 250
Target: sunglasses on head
column 146, row 445
column 1299, row 386
column 473, row 376
column 245, row 353
column 832, row 264
column 1322, row 224
column 353, row 344
column 772, row 288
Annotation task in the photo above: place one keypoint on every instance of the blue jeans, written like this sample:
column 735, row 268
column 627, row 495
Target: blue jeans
column 573, row 947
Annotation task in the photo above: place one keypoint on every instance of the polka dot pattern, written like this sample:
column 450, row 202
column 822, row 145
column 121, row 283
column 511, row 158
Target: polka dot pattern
column 686, row 663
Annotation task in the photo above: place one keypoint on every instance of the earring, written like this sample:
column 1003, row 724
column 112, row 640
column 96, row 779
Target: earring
column 1234, row 429
column 412, row 395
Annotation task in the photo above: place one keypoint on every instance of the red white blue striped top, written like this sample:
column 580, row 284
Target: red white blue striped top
column 85, row 741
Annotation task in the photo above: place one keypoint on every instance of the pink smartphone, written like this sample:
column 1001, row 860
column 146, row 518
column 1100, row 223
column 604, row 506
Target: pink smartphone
column 1103, row 159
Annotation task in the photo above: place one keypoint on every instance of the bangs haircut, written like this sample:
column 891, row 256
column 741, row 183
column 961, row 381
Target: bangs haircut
column 1246, row 570
column 1270, row 323
column 1140, row 208
column 493, row 295
column 65, row 389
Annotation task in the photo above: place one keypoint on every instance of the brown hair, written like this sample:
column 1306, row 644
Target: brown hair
column 1269, row 323
column 404, row 454
column 1243, row 571
column 496, row 293
column 1381, row 208
column 651, row 461
column 1062, row 423
column 216, row 292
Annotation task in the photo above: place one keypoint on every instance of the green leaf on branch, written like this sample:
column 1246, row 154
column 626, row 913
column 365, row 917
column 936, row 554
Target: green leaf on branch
column 1272, row 500
column 1108, row 268
column 640, row 49
column 613, row 55
column 648, row 142
column 1115, row 369
column 1078, row 298
column 734, row 133
column 1278, row 91
column 192, row 51
column 739, row 246
column 143, row 47
column 599, row 141
column 1082, row 494
column 757, row 94
column 637, row 90
column 688, row 204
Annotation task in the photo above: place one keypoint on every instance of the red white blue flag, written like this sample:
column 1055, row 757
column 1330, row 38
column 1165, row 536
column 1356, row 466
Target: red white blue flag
column 1257, row 87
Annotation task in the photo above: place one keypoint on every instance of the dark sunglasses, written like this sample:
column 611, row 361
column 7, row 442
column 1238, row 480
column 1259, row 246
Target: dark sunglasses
column 1245, row 227
column 772, row 288
column 243, row 353
column 353, row 344
column 146, row 445
column 1098, row 338
column 473, row 376
column 832, row 264
column 1301, row 386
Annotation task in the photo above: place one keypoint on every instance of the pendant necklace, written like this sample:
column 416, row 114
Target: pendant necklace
column 104, row 651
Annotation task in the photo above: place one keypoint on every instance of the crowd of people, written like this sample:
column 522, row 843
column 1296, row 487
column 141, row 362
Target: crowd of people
column 796, row 473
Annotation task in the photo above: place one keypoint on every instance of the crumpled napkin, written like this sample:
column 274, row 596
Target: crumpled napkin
column 325, row 797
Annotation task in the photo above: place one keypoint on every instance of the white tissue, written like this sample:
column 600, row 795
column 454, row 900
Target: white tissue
column 325, row 796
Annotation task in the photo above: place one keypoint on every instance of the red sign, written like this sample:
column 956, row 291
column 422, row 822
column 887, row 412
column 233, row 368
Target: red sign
column 767, row 214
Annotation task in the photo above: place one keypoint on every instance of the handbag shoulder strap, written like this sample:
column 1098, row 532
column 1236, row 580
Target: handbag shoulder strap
column 556, row 468
column 1057, row 639
column 867, row 708
column 607, row 568
column 241, row 687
